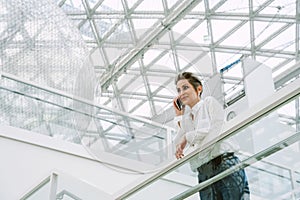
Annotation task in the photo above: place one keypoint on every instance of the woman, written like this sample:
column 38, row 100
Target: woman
column 199, row 120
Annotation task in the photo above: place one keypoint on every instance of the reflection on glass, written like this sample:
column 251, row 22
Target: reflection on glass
column 99, row 129
column 270, row 150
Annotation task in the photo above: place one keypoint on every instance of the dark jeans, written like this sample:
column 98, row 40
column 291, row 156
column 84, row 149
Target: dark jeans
column 232, row 187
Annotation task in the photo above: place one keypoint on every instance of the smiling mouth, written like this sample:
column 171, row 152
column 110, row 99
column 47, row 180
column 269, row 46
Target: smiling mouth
column 183, row 98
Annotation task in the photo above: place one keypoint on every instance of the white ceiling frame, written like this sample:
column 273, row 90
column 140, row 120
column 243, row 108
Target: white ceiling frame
column 147, row 42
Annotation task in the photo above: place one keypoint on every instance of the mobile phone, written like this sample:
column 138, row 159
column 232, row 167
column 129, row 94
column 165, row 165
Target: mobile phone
column 178, row 104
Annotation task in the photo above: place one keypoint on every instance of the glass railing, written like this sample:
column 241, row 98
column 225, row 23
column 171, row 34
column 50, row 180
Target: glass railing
column 269, row 153
column 269, row 142
column 109, row 135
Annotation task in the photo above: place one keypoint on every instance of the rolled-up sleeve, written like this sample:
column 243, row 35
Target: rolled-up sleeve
column 177, row 120
column 180, row 131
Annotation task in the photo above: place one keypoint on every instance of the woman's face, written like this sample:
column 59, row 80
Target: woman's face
column 187, row 94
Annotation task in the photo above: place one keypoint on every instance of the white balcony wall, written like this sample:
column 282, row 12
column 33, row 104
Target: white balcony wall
column 27, row 158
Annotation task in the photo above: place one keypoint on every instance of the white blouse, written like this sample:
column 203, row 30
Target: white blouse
column 205, row 125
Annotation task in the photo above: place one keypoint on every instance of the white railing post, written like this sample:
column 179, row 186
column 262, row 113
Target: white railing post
column 53, row 186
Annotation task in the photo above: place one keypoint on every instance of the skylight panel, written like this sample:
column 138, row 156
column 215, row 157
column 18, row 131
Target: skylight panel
column 113, row 5
column 86, row 31
column 224, row 59
column 234, row 6
column 166, row 61
column 283, row 41
column 97, row 58
column 263, row 30
column 142, row 26
column 171, row 3
column 203, row 66
column 103, row 26
column 212, row 3
column 199, row 8
column 143, row 110
column 280, row 7
column 199, row 34
column 150, row 55
column 168, row 90
column 132, row 103
column 72, row 5
column 270, row 61
column 221, row 27
column 182, row 26
column 124, row 80
column 241, row 37
column 149, row 6
column 113, row 54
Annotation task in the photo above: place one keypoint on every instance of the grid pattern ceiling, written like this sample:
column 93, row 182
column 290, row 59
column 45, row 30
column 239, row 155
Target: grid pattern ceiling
column 138, row 46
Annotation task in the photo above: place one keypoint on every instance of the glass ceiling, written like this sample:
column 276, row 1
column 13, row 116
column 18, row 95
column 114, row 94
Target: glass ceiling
column 138, row 46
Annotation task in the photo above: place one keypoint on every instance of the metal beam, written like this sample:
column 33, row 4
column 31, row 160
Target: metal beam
column 158, row 31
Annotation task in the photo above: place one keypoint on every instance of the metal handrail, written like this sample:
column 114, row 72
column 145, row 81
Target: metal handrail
column 36, row 188
column 251, row 160
column 82, row 100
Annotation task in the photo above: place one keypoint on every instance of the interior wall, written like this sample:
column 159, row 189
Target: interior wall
column 24, row 164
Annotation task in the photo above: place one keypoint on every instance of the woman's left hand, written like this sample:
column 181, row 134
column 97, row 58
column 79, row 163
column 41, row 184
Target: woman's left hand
column 179, row 148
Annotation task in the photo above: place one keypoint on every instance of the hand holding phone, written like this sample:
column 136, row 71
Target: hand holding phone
column 178, row 104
